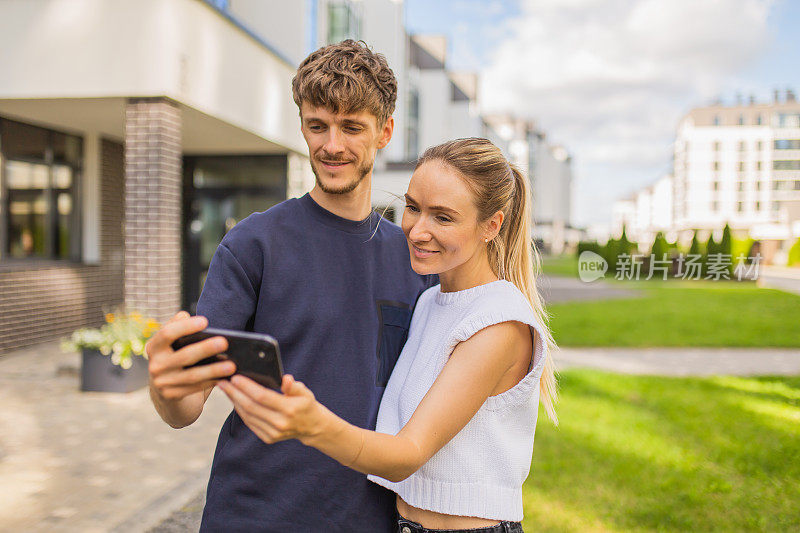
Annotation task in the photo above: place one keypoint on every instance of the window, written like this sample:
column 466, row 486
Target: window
column 344, row 21
column 740, row 186
column 758, row 185
column 759, row 121
column 787, row 144
column 758, row 165
column 740, row 122
column 716, row 120
column 788, row 120
column 786, row 165
column 714, row 206
column 758, row 206
column 716, row 146
column 759, row 144
column 739, row 207
column 39, row 178
column 741, row 146
column 716, row 185
column 741, row 166
column 716, row 165
column 797, row 185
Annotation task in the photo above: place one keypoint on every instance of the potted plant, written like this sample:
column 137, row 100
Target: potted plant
column 113, row 354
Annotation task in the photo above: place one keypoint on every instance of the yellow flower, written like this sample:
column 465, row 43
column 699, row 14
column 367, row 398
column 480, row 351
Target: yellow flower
column 110, row 317
column 152, row 324
column 136, row 317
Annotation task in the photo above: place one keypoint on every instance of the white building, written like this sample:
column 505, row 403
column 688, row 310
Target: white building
column 549, row 168
column 740, row 165
column 439, row 105
column 736, row 165
column 645, row 212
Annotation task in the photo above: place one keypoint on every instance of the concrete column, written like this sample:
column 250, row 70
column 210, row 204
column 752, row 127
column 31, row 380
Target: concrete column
column 152, row 224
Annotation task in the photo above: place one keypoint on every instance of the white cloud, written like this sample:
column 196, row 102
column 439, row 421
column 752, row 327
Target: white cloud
column 611, row 78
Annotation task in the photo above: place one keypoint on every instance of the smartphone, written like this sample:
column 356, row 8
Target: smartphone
column 256, row 355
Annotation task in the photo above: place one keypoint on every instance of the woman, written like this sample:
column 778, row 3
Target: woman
column 456, row 424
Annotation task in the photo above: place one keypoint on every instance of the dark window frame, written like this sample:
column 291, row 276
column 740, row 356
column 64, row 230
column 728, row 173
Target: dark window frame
column 51, row 192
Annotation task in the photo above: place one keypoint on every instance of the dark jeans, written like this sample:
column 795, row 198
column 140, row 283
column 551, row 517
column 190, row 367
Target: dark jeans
column 407, row 526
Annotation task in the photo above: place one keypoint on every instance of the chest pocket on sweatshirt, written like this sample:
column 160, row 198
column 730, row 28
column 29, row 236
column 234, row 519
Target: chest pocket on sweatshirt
column 394, row 319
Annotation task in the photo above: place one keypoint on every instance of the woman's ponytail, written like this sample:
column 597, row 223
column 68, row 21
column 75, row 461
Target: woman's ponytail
column 522, row 265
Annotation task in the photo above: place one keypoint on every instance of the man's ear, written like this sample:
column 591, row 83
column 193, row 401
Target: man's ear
column 386, row 133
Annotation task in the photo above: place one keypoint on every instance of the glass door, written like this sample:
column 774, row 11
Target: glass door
column 219, row 192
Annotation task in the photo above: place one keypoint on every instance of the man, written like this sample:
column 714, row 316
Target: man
column 331, row 283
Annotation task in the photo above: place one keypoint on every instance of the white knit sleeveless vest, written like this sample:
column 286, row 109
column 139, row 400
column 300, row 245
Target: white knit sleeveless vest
column 480, row 472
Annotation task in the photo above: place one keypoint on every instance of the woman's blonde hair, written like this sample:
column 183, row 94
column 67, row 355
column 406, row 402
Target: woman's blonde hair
column 498, row 185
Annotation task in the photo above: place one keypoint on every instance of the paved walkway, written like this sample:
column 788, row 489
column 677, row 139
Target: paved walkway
column 556, row 289
column 783, row 278
column 91, row 462
column 684, row 361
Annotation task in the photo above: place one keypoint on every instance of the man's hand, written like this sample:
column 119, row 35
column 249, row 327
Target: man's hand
column 168, row 377
column 273, row 416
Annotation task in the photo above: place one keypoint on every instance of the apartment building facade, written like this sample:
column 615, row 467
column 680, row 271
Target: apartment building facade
column 740, row 164
column 133, row 134
column 733, row 164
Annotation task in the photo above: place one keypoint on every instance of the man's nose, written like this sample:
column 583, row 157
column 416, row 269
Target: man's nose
column 334, row 144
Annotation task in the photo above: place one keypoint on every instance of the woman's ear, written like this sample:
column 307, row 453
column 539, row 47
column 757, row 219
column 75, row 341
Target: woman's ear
column 494, row 224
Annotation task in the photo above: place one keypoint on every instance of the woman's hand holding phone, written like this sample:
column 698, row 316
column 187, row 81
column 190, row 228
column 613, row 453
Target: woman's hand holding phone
column 272, row 416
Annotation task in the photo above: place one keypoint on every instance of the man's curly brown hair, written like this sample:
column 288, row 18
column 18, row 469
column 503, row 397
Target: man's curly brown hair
column 346, row 77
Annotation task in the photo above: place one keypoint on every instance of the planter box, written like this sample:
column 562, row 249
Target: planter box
column 99, row 374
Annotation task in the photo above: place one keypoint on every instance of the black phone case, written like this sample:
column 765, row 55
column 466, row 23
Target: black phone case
column 257, row 356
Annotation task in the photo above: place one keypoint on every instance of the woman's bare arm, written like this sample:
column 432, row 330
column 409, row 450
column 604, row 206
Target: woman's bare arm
column 466, row 381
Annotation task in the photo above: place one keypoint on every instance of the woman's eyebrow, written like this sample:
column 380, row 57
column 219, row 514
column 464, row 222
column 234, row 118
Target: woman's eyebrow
column 443, row 208
column 433, row 207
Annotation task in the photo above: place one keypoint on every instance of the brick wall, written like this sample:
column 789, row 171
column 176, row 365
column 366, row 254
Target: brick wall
column 153, row 188
column 46, row 302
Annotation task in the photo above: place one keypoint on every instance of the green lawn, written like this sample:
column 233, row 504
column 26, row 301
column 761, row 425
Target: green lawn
column 560, row 265
column 642, row 453
column 682, row 313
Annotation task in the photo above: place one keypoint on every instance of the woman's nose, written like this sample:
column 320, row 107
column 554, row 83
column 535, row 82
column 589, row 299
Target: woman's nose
column 419, row 231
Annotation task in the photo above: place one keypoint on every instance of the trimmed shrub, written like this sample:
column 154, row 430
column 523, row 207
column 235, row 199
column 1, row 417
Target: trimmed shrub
column 794, row 254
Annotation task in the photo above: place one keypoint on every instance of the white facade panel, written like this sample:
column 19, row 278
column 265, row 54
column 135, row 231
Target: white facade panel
column 182, row 49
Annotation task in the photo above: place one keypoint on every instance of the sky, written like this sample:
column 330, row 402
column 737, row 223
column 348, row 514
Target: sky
column 610, row 79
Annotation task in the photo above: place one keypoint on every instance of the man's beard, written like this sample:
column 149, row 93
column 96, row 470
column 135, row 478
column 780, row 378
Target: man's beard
column 361, row 173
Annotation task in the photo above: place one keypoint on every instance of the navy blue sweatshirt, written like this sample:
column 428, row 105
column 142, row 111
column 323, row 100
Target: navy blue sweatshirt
column 337, row 295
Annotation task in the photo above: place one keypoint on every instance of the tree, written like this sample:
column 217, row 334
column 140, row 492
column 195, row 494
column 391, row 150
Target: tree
column 726, row 244
column 694, row 249
column 660, row 247
column 711, row 245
